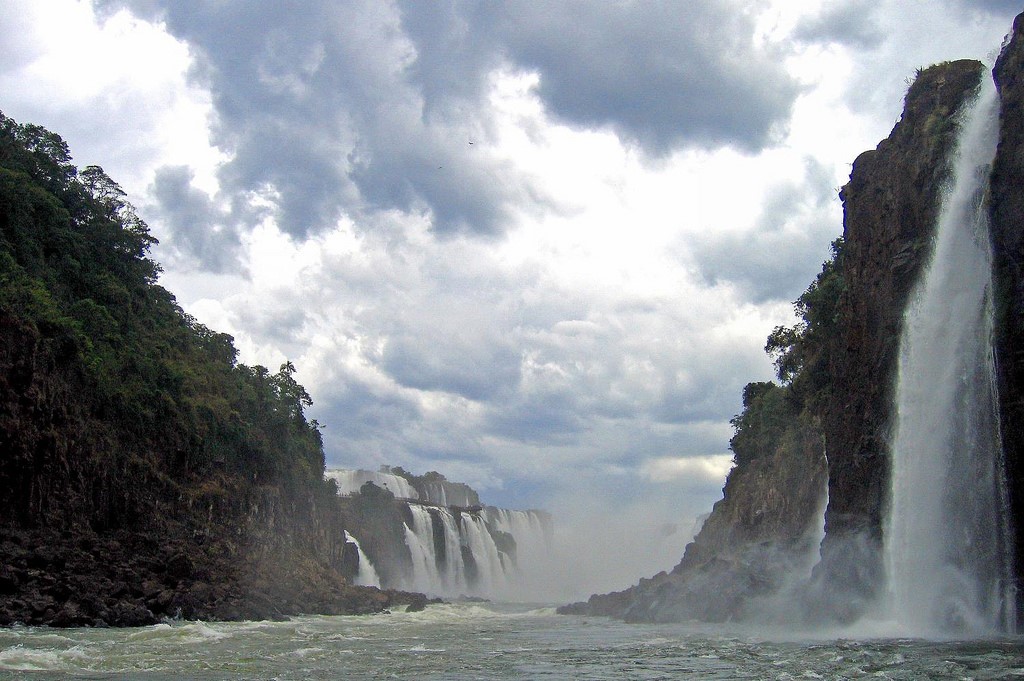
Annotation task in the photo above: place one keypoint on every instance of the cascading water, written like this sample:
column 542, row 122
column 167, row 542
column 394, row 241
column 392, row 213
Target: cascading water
column 420, row 540
column 530, row 529
column 947, row 537
column 350, row 481
column 367, row 575
column 456, row 552
column 490, row 569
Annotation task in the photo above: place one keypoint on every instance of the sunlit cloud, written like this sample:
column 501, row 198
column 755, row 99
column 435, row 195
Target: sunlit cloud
column 707, row 469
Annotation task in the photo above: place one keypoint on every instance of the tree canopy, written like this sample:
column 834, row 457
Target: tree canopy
column 800, row 355
column 145, row 385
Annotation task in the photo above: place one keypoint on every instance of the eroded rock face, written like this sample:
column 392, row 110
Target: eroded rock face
column 1007, row 202
column 759, row 535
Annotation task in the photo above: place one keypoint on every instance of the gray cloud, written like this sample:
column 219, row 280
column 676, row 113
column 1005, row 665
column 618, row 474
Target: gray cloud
column 848, row 22
column 1004, row 8
column 475, row 368
column 314, row 102
column 796, row 220
column 201, row 233
column 346, row 108
column 663, row 75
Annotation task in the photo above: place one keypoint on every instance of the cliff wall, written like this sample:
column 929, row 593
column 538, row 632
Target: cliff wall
column 1007, row 204
column 145, row 472
column 757, row 537
column 890, row 205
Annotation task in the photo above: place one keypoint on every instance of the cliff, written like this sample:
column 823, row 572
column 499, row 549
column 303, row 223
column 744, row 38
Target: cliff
column 890, row 205
column 145, row 472
column 838, row 367
column 1007, row 206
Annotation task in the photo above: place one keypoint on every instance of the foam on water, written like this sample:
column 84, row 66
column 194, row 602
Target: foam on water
column 463, row 641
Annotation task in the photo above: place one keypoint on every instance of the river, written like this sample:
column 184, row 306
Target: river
column 485, row 641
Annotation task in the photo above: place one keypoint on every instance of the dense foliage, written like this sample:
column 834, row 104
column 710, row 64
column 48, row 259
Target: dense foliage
column 111, row 396
column 772, row 412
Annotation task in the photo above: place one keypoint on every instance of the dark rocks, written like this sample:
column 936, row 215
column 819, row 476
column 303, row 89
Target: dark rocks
column 9, row 581
column 128, row 614
column 179, row 566
column 47, row 579
column 1007, row 203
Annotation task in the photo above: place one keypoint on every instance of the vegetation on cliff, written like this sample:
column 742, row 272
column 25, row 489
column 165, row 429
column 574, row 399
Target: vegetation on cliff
column 140, row 463
column 773, row 413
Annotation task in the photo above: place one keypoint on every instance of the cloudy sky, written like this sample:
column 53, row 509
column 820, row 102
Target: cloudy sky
column 536, row 246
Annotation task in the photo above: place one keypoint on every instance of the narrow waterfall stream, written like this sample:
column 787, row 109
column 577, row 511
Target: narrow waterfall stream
column 947, row 536
column 367, row 575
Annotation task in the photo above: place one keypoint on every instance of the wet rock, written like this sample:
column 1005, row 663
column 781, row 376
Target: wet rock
column 8, row 580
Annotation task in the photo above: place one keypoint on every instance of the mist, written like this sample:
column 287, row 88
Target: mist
column 604, row 542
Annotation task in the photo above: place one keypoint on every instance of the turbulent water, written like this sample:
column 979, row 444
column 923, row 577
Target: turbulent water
column 481, row 641
column 947, row 540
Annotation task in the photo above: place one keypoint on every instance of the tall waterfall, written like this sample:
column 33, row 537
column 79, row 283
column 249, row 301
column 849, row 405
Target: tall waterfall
column 947, row 537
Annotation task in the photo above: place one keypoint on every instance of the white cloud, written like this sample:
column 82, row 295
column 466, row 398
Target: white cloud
column 708, row 469
column 115, row 89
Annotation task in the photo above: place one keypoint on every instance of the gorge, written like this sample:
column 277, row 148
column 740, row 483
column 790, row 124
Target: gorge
column 148, row 475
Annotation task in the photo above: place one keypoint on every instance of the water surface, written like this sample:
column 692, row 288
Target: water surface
column 484, row 641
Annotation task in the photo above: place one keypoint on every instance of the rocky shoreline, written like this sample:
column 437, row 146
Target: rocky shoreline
column 71, row 579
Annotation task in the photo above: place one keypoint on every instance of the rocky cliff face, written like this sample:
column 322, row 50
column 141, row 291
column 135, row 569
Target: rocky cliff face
column 1007, row 203
column 144, row 472
column 760, row 535
column 890, row 208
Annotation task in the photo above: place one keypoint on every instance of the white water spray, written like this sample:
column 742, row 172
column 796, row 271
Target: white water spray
column 947, row 539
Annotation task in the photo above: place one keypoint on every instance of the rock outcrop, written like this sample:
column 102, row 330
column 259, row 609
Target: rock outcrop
column 757, row 538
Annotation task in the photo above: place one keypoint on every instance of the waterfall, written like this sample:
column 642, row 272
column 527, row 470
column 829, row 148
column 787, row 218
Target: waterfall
column 420, row 540
column 366, row 576
column 454, row 567
column 349, row 482
column 947, row 542
column 462, row 553
column 490, row 569
column 530, row 530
